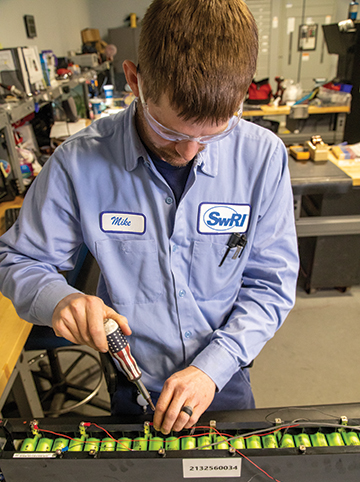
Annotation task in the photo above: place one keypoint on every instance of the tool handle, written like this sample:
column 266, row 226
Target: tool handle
column 120, row 350
column 233, row 240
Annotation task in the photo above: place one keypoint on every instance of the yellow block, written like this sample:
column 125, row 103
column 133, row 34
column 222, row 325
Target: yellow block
column 14, row 332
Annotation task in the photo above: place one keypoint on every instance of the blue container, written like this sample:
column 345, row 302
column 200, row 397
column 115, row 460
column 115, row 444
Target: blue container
column 353, row 9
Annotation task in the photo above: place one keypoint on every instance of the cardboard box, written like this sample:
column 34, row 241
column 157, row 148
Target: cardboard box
column 89, row 35
column 100, row 46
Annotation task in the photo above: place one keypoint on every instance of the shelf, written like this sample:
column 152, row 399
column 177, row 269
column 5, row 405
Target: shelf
column 18, row 110
column 268, row 110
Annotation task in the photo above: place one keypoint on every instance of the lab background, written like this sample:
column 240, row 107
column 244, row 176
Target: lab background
column 314, row 358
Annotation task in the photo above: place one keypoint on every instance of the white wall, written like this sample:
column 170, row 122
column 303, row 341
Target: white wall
column 105, row 14
column 58, row 24
column 342, row 8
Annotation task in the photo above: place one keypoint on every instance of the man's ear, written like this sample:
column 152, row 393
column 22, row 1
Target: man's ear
column 130, row 71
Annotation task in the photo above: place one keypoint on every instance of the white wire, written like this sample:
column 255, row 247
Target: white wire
column 276, row 428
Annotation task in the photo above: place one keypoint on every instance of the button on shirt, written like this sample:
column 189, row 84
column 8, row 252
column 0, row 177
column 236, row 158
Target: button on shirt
column 182, row 308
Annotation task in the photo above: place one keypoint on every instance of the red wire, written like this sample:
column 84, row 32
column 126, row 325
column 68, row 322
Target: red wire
column 242, row 455
column 82, row 441
column 102, row 428
column 185, row 436
column 55, row 433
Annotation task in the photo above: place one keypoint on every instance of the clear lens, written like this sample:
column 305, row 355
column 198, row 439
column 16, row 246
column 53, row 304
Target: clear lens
column 174, row 136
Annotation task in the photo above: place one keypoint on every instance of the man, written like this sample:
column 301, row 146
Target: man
column 157, row 193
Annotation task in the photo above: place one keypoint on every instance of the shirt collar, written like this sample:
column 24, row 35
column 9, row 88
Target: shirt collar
column 131, row 137
column 207, row 160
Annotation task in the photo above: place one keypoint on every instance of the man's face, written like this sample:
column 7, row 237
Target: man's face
column 175, row 153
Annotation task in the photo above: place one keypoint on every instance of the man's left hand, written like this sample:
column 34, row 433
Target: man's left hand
column 190, row 387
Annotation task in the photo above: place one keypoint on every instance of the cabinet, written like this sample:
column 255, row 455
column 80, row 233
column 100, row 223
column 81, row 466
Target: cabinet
column 304, row 66
column 126, row 40
column 347, row 45
column 331, row 261
column 327, row 212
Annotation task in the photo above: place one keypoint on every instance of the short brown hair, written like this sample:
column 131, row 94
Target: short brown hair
column 201, row 53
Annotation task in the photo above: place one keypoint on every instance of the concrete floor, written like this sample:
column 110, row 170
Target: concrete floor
column 314, row 358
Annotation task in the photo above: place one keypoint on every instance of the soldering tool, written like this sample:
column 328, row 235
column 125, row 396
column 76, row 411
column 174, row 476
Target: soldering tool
column 119, row 349
column 13, row 90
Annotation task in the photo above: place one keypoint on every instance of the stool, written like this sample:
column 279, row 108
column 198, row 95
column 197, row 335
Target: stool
column 58, row 363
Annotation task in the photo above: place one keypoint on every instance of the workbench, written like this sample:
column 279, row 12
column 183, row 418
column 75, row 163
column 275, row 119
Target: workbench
column 269, row 110
column 15, row 374
column 329, row 122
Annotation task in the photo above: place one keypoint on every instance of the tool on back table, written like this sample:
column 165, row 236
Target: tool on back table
column 120, row 350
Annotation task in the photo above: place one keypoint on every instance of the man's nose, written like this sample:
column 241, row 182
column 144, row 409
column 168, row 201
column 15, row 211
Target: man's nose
column 187, row 149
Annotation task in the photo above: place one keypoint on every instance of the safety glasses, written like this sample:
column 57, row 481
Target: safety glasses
column 175, row 136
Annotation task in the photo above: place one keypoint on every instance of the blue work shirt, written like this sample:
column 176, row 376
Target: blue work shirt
column 160, row 263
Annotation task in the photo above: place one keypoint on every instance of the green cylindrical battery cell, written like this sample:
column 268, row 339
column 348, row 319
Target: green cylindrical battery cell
column 269, row 441
column 44, row 445
column 286, row 440
column 76, row 445
column 156, row 443
column 140, row 444
column 318, row 440
column 221, row 443
column 188, row 443
column 60, row 443
column 302, row 439
column 334, row 439
column 172, row 443
column 238, row 443
column 123, row 444
column 253, row 442
column 29, row 444
column 204, row 442
column 91, row 443
column 107, row 444
column 350, row 438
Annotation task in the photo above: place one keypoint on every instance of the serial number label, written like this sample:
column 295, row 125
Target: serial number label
column 32, row 455
column 205, row 468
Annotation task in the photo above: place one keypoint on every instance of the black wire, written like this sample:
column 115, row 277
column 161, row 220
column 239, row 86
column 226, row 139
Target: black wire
column 104, row 83
column 300, row 408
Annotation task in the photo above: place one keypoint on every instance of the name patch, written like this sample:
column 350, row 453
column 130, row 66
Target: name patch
column 223, row 218
column 121, row 222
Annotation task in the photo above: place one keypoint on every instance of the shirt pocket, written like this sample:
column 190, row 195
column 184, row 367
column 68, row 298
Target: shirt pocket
column 130, row 269
column 207, row 280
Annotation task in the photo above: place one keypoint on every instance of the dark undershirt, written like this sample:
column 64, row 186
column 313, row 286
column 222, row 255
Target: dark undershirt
column 176, row 177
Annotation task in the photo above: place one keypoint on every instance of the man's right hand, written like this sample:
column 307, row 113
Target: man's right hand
column 80, row 319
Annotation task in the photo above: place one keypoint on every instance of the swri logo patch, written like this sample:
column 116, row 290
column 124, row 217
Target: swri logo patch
column 121, row 222
column 223, row 218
